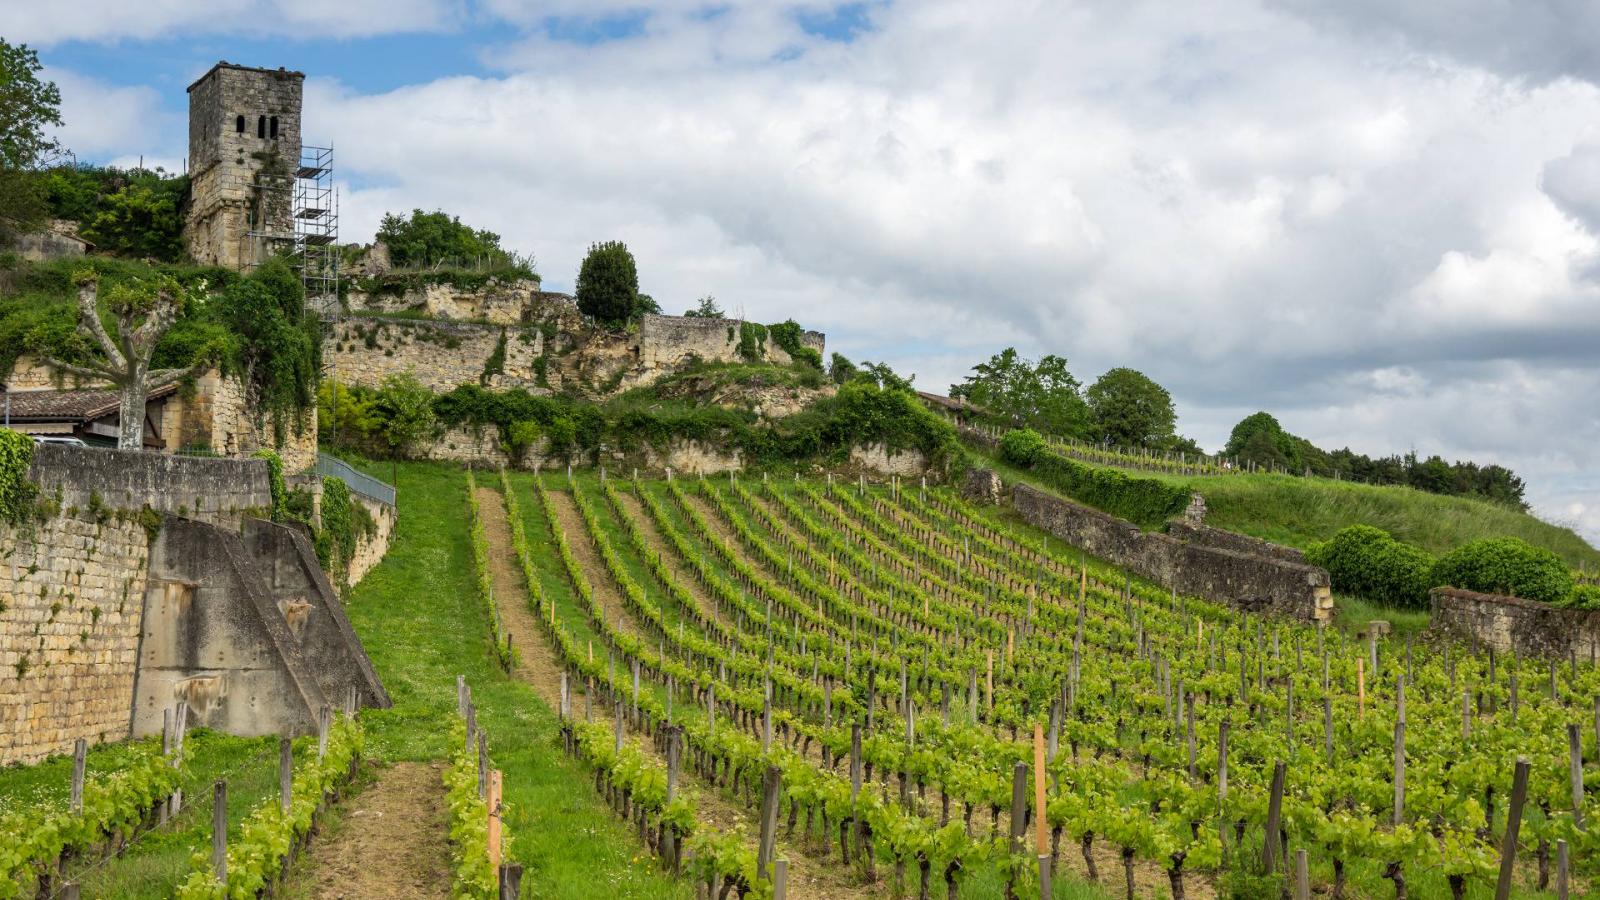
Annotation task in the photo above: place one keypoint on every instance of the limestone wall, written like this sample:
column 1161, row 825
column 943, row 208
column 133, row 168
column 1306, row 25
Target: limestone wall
column 878, row 458
column 217, row 414
column 496, row 303
column 219, row 491
column 70, row 606
column 1511, row 624
column 370, row 550
column 669, row 341
column 441, row 355
column 1247, row 581
column 59, row 241
column 1206, row 536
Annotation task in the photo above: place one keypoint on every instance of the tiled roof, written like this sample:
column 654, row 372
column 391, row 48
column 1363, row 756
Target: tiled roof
column 86, row 404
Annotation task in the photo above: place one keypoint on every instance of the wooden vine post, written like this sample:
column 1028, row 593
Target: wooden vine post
column 1041, row 828
column 494, row 832
column 1508, row 848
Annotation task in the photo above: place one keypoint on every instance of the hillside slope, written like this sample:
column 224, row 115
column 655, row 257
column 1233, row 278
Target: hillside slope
column 1297, row 511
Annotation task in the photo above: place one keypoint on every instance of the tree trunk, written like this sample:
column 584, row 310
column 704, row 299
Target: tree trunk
column 1088, row 856
column 1127, row 870
column 1338, row 878
column 1458, row 887
column 130, row 428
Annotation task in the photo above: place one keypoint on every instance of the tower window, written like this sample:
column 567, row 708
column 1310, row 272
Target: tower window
column 273, row 127
column 238, row 124
column 261, row 126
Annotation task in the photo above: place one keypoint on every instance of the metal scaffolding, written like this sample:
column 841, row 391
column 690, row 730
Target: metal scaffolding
column 316, row 225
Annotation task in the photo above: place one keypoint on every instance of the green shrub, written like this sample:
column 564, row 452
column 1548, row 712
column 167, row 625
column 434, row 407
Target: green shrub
column 1146, row 502
column 608, row 284
column 1367, row 562
column 1583, row 596
column 1505, row 566
column 16, row 491
column 280, row 494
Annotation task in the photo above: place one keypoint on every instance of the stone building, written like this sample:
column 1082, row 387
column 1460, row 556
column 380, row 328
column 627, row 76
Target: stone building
column 244, row 149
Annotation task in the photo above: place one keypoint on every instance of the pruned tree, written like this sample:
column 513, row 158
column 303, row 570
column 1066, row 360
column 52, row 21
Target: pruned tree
column 143, row 311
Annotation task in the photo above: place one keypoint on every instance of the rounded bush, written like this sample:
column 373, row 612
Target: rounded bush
column 1022, row 446
column 1367, row 562
column 1505, row 566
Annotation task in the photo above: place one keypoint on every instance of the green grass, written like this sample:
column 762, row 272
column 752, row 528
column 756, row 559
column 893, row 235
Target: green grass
column 422, row 624
column 158, row 860
column 1295, row 512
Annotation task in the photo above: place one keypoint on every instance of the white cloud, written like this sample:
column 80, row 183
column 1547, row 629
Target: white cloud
column 113, row 20
column 1391, row 243
column 99, row 119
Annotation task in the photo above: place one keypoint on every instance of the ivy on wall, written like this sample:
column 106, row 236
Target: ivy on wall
column 16, row 491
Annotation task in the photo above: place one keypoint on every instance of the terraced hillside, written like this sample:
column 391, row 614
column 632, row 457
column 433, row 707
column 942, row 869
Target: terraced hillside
column 889, row 653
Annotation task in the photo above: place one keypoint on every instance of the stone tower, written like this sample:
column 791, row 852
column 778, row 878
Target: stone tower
column 244, row 148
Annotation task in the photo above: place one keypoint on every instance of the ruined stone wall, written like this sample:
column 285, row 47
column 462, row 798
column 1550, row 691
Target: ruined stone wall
column 70, row 603
column 59, row 241
column 1512, row 624
column 1206, row 536
column 1247, row 581
column 219, row 491
column 441, row 355
column 669, row 341
column 878, row 458
column 518, row 302
column 217, row 415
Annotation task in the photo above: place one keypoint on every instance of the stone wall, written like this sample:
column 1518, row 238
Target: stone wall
column 497, row 303
column 69, row 632
column 218, row 415
column 219, row 491
column 669, row 341
column 1512, row 624
column 59, row 241
column 880, row 459
column 1206, row 536
column 370, row 550
column 441, row 355
column 1244, row 580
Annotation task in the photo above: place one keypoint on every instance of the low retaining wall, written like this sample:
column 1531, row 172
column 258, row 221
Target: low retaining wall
column 1216, row 538
column 1248, row 581
column 1512, row 624
column 219, row 491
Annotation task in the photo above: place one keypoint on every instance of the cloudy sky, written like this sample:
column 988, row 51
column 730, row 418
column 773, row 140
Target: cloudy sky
column 1378, row 219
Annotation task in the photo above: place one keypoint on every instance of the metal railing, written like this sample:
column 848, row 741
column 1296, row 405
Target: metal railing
column 365, row 485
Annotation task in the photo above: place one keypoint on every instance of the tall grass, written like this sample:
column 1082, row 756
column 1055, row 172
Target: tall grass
column 1297, row 511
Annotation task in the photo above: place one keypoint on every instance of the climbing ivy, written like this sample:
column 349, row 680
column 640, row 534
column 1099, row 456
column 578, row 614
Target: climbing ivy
column 344, row 522
column 16, row 491
column 280, row 493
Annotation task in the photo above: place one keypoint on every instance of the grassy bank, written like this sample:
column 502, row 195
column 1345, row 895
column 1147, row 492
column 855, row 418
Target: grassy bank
column 422, row 623
column 1297, row 511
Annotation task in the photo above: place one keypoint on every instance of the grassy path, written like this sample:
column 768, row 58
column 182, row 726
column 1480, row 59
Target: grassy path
column 386, row 843
column 422, row 623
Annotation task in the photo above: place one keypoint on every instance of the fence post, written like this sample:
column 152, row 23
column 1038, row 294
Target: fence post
column 769, row 819
column 1269, row 852
column 285, row 773
column 1508, row 849
column 80, row 758
column 780, row 879
column 219, row 832
column 510, row 881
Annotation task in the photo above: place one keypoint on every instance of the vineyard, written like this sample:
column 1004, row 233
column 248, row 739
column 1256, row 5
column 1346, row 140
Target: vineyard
column 874, row 669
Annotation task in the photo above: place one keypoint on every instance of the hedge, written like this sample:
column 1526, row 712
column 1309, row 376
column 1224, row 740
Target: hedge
column 1506, row 566
column 1146, row 502
column 1367, row 562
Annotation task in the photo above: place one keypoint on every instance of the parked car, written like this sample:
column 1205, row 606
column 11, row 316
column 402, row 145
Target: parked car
column 62, row 441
